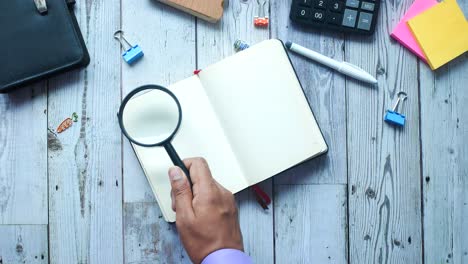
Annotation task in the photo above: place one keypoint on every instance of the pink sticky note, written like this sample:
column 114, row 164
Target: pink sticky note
column 403, row 34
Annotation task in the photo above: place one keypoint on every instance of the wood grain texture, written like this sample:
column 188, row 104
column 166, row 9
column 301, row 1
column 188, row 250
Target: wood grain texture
column 85, row 176
column 310, row 224
column 23, row 244
column 384, row 189
column 214, row 43
column 149, row 238
column 257, row 225
column 168, row 42
column 82, row 168
column 444, row 137
column 325, row 91
column 23, row 147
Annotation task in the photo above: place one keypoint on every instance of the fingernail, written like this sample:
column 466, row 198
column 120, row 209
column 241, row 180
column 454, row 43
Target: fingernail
column 175, row 174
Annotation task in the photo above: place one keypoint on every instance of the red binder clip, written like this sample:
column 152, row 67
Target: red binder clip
column 261, row 20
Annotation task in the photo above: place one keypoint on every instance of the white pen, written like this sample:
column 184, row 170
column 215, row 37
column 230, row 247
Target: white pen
column 343, row 67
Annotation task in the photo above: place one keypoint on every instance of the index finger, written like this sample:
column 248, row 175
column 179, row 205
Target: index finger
column 199, row 170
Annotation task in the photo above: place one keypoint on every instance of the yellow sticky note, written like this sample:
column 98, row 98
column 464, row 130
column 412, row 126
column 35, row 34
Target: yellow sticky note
column 441, row 32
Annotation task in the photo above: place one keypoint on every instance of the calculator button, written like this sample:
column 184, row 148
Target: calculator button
column 365, row 20
column 349, row 18
column 303, row 13
column 318, row 15
column 307, row 3
column 320, row 4
column 352, row 3
column 367, row 6
column 336, row 6
column 334, row 19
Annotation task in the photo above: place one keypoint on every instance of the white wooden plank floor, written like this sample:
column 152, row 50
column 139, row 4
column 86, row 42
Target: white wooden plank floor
column 381, row 195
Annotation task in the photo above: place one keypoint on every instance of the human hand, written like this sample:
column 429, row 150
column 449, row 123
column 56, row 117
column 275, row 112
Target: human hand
column 206, row 216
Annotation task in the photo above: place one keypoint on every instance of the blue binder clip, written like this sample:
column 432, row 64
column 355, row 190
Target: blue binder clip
column 132, row 53
column 392, row 116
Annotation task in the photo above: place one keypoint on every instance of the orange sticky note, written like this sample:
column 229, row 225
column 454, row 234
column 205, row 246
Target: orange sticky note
column 441, row 32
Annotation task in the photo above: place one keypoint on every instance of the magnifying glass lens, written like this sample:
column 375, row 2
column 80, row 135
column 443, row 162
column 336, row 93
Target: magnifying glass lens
column 152, row 118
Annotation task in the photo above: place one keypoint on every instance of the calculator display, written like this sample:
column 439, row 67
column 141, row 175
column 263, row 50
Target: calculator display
column 355, row 16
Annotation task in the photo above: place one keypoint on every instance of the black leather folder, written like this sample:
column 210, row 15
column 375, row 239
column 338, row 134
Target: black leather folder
column 35, row 46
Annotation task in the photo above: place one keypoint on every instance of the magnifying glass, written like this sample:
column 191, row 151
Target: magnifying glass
column 152, row 120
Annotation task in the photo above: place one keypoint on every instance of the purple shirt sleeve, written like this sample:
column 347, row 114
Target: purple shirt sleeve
column 227, row 256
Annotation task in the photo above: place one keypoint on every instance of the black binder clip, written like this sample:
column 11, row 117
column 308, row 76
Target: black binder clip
column 41, row 6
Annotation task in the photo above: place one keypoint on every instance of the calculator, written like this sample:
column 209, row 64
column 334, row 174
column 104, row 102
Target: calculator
column 352, row 16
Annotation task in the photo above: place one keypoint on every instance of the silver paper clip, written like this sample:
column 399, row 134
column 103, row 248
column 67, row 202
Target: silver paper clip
column 41, row 6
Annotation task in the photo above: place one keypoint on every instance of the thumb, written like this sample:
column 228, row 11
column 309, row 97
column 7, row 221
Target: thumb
column 181, row 191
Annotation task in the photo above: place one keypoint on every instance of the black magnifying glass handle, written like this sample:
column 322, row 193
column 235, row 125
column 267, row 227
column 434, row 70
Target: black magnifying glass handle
column 177, row 161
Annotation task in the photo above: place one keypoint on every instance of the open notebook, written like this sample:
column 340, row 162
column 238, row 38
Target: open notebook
column 247, row 115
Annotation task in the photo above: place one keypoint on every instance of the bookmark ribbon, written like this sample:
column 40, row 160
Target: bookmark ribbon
column 262, row 197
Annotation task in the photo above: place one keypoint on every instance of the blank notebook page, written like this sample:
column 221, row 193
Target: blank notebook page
column 263, row 110
column 200, row 135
